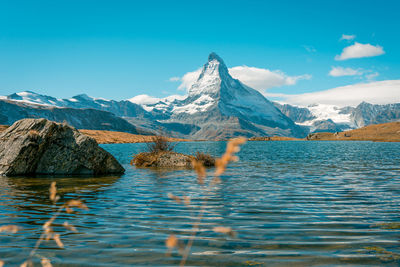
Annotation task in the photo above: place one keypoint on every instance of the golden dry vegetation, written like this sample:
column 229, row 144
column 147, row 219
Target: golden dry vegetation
column 385, row 132
column 111, row 137
column 275, row 138
column 3, row 127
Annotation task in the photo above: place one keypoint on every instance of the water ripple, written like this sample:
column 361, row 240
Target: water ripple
column 291, row 203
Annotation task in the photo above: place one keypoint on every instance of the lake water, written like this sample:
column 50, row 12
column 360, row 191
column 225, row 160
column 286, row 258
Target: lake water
column 290, row 203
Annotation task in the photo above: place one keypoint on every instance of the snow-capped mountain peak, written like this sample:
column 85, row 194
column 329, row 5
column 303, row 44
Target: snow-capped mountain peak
column 30, row 97
column 209, row 80
column 84, row 97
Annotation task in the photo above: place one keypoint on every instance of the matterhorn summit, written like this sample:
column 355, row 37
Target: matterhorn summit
column 219, row 106
column 209, row 81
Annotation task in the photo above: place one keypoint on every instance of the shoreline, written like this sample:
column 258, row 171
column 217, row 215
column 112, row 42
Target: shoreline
column 386, row 132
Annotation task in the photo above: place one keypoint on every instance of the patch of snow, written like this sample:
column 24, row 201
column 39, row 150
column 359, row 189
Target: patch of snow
column 26, row 94
column 149, row 103
column 199, row 105
column 325, row 112
column 209, row 81
column 100, row 98
column 84, row 96
column 172, row 98
column 144, row 100
column 26, row 101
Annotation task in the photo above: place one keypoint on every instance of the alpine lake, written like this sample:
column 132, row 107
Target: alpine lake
column 288, row 203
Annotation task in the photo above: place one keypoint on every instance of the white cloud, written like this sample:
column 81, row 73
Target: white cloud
column 382, row 92
column 358, row 50
column 188, row 79
column 174, row 79
column 262, row 79
column 144, row 100
column 340, row 71
column 257, row 78
column 372, row 76
column 347, row 37
column 310, row 48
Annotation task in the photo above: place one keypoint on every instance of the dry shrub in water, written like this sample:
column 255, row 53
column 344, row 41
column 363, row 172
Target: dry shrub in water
column 144, row 159
column 172, row 241
column 160, row 144
column 206, row 159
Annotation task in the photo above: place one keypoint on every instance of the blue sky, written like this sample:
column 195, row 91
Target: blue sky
column 119, row 49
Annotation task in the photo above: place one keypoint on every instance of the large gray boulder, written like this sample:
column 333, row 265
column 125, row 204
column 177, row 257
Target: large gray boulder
column 40, row 146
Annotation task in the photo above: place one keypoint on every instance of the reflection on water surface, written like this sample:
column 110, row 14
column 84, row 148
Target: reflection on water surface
column 291, row 203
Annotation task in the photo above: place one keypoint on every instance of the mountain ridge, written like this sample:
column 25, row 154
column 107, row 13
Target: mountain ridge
column 217, row 106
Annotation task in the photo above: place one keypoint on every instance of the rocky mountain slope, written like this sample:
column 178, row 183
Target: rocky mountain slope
column 217, row 106
column 329, row 118
column 365, row 114
column 221, row 107
column 11, row 112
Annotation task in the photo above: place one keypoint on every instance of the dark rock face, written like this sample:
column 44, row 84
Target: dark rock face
column 366, row 114
column 327, row 126
column 296, row 114
column 39, row 146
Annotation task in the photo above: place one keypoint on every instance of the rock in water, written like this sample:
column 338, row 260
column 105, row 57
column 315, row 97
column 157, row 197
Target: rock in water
column 163, row 159
column 40, row 146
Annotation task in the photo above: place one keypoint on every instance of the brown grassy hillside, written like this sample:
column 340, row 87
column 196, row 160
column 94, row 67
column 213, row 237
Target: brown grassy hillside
column 111, row 137
column 385, row 132
column 275, row 138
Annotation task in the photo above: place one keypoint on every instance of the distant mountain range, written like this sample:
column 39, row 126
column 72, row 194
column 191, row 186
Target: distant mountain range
column 329, row 118
column 217, row 107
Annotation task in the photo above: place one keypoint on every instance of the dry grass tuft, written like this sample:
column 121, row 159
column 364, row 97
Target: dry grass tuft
column 206, row 159
column 58, row 241
column 9, row 228
column 225, row 230
column 53, row 192
column 172, row 241
column 70, row 227
column 229, row 156
column 200, row 170
column 144, row 159
column 160, row 144
column 45, row 262
column 175, row 198
column 27, row 263
column 48, row 233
